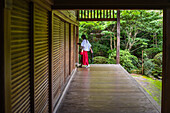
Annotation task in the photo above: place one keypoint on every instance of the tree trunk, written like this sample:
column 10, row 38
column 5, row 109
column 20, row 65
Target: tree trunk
column 118, row 38
column 156, row 41
column 114, row 42
column 111, row 46
column 142, row 62
column 153, row 40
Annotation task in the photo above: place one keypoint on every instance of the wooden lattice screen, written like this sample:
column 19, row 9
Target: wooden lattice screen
column 96, row 15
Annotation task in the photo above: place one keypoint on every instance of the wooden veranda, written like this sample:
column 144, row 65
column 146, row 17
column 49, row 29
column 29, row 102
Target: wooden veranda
column 106, row 88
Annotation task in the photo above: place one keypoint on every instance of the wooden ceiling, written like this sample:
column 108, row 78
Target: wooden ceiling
column 111, row 4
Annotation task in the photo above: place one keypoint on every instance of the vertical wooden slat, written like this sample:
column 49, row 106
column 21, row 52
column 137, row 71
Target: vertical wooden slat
column 113, row 14
column 87, row 13
column 84, row 13
column 110, row 14
column 81, row 13
column 91, row 13
column 118, row 37
column 103, row 13
column 97, row 13
column 107, row 13
column 100, row 13
column 94, row 13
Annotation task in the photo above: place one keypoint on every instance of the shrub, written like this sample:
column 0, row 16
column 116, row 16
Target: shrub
column 111, row 61
column 128, row 61
column 99, row 60
column 153, row 66
column 99, row 49
column 151, row 52
column 157, row 71
column 148, row 66
column 158, row 59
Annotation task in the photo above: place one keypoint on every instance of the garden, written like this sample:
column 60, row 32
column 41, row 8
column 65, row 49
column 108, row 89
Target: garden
column 141, row 42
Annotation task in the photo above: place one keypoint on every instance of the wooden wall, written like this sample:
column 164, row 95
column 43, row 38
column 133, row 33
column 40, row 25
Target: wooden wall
column 36, row 55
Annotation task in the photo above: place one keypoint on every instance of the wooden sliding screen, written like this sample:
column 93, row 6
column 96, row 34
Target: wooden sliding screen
column 58, row 57
column 37, row 61
column 41, row 59
column 20, row 57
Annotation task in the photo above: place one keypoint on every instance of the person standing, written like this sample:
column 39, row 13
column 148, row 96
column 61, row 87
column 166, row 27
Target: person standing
column 85, row 46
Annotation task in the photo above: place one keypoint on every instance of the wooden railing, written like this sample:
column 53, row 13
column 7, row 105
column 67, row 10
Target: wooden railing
column 96, row 15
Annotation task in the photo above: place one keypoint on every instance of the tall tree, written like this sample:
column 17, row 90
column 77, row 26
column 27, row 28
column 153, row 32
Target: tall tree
column 134, row 22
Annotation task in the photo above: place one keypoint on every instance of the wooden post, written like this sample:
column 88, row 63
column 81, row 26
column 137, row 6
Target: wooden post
column 77, row 46
column 142, row 62
column 2, row 58
column 32, row 70
column 118, row 38
column 7, row 57
column 166, row 62
column 50, row 63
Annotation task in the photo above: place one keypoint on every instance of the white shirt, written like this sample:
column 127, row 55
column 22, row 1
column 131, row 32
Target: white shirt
column 86, row 45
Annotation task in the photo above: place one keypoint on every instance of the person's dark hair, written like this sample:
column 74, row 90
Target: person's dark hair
column 83, row 36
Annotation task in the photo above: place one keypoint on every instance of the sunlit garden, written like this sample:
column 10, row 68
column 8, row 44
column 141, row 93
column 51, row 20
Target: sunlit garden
column 141, row 41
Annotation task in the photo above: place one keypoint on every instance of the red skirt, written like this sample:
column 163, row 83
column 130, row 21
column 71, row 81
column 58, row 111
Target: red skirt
column 85, row 58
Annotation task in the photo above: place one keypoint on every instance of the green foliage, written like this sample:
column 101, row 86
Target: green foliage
column 99, row 60
column 148, row 66
column 99, row 49
column 111, row 61
column 158, row 59
column 151, row 52
column 153, row 67
column 128, row 61
column 157, row 71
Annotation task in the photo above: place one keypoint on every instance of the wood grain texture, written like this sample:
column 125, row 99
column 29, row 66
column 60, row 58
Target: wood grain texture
column 118, row 38
column 41, row 58
column 166, row 62
column 105, row 89
column 2, row 59
column 20, row 56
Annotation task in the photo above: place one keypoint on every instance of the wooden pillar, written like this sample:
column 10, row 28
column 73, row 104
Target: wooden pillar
column 6, row 55
column 118, row 37
column 166, row 62
column 2, row 58
column 77, row 46
column 50, row 63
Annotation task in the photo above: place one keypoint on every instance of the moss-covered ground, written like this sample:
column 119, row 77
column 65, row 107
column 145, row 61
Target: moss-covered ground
column 151, row 85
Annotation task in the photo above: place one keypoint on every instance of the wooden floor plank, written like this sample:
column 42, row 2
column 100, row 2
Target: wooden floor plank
column 105, row 89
